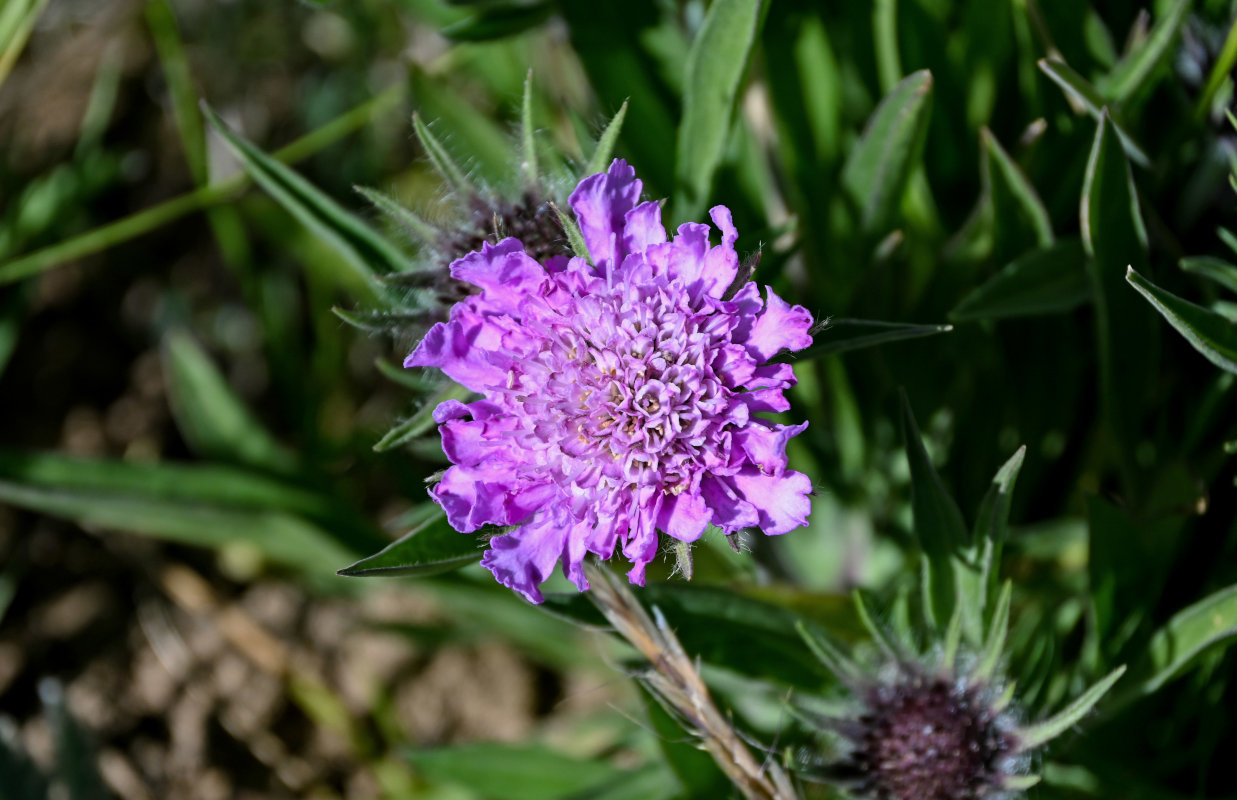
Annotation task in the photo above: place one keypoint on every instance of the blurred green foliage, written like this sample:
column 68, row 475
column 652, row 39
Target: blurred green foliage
column 1034, row 172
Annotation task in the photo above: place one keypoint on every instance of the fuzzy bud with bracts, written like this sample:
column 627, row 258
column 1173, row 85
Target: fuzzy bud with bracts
column 945, row 728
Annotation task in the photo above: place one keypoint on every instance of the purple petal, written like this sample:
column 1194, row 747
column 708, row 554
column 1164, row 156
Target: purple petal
column 781, row 327
column 641, row 545
column 781, row 500
column 642, row 228
column 504, row 271
column 458, row 347
column 766, row 446
column 684, row 516
column 601, row 203
column 475, row 495
column 730, row 511
column 524, row 558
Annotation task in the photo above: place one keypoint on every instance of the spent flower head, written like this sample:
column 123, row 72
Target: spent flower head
column 620, row 395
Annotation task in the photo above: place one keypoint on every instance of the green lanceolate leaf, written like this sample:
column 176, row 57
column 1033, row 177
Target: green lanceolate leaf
column 385, row 321
column 451, row 172
column 994, row 639
column 876, row 172
column 1088, row 100
column 364, row 250
column 938, row 522
column 213, row 420
column 499, row 21
column 1052, row 280
column 1209, row 623
column 941, row 533
column 1041, row 733
column 878, row 632
column 716, row 62
column 528, row 141
column 1215, row 269
column 992, row 519
column 403, row 216
column 279, row 536
column 1133, row 71
column 842, row 335
column 605, row 143
column 1114, row 237
column 516, row 772
column 1019, row 216
column 423, row 420
column 430, row 548
column 576, row 239
column 1211, row 334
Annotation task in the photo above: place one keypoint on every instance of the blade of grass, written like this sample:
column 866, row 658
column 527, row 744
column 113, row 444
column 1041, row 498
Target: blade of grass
column 1211, row 334
column 153, row 218
column 605, row 143
column 15, row 28
column 1077, row 87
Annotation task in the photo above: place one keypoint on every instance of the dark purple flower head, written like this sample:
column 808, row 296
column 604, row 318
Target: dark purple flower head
column 619, row 396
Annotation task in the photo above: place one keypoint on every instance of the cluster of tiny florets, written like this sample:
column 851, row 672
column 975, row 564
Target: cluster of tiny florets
column 924, row 736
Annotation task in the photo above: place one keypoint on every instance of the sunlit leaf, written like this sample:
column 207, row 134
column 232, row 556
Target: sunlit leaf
column 1211, row 334
column 876, row 172
column 1133, row 71
column 715, row 66
column 1052, row 280
column 430, row 548
column 516, row 771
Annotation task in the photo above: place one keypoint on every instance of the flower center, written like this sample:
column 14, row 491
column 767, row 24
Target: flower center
column 631, row 387
column 928, row 740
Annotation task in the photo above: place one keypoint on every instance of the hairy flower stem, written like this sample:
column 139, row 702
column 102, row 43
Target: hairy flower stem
column 676, row 680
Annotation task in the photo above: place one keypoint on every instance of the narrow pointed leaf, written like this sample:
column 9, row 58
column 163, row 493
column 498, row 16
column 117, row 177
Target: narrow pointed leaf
column 1052, row 280
column 451, row 172
column 938, row 522
column 280, row 537
column 363, row 249
column 1215, row 269
column 1209, row 623
column 842, row 335
column 213, row 420
column 431, row 548
column 941, row 533
column 1020, row 219
column 834, row 660
column 716, row 62
column 576, row 239
column 1041, row 733
column 876, row 172
column 1089, row 100
column 994, row 641
column 1211, row 334
column 1114, row 236
column 1132, row 72
column 892, row 649
column 424, row 232
column 992, row 521
column 422, row 421
column 528, row 141
column 600, row 159
column 386, row 321
column 498, row 22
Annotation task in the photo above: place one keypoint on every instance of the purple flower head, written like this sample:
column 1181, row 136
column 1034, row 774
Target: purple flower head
column 620, row 397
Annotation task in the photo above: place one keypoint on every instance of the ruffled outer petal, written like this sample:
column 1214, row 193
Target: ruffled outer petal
column 460, row 348
column 523, row 559
column 503, row 271
column 782, row 501
column 601, row 203
column 781, row 327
